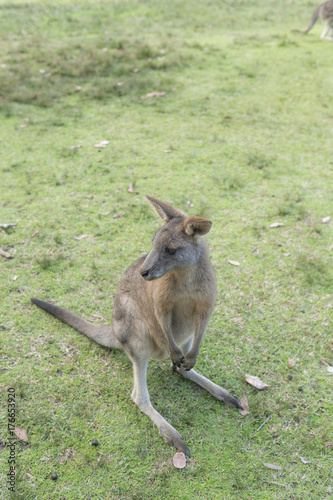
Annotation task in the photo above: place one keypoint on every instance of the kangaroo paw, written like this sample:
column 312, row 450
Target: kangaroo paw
column 231, row 401
column 172, row 437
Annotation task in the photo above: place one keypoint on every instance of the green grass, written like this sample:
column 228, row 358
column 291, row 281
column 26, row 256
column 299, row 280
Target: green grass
column 244, row 134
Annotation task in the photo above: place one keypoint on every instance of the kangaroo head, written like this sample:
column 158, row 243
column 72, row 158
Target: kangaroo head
column 177, row 245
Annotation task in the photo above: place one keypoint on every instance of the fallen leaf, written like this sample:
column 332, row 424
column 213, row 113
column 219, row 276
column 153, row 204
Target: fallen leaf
column 34, row 233
column 329, row 489
column 130, row 189
column 155, row 94
column 330, row 369
column 303, row 460
column 116, row 216
column 80, row 237
column 276, row 224
column 23, row 125
column 245, row 405
column 265, row 358
column 179, row 460
column 14, row 278
column 5, row 254
column 286, row 254
column 75, row 148
column 101, row 144
column 326, row 220
column 234, row 262
column 291, row 363
column 256, row 382
column 106, row 213
column 272, row 466
column 21, row 434
column 78, row 88
column 167, row 151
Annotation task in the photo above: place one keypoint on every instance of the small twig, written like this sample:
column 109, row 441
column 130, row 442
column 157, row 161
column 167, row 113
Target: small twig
column 262, row 425
column 5, row 254
column 273, row 482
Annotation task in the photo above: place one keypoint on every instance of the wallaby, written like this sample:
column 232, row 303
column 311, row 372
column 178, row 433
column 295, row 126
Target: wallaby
column 325, row 12
column 162, row 307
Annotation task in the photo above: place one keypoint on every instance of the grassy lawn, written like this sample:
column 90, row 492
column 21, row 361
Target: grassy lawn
column 243, row 134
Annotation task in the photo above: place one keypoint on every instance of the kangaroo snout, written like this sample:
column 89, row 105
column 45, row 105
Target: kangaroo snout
column 145, row 273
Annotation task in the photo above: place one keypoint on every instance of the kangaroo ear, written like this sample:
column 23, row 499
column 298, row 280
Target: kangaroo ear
column 197, row 226
column 165, row 210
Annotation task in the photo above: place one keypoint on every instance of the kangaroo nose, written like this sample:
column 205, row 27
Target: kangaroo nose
column 144, row 273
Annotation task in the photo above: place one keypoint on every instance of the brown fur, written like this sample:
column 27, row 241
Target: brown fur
column 162, row 307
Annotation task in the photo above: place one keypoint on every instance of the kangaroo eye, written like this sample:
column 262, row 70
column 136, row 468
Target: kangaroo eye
column 170, row 251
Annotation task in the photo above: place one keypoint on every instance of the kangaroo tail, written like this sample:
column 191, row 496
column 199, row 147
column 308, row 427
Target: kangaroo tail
column 102, row 335
column 312, row 21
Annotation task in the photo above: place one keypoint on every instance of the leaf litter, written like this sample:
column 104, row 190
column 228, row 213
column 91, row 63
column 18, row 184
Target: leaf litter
column 179, row 460
column 255, row 381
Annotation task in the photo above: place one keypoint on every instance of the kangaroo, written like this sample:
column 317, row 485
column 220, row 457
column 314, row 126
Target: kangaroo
column 325, row 12
column 162, row 307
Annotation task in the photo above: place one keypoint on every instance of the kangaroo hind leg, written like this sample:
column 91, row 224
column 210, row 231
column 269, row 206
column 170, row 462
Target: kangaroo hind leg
column 218, row 392
column 141, row 397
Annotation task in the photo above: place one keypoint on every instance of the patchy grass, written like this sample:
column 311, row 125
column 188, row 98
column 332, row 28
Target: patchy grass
column 243, row 135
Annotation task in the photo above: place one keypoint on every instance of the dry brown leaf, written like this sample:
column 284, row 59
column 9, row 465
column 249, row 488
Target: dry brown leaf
column 329, row 489
column 80, row 237
column 272, row 466
column 21, row 434
column 326, row 220
column 179, row 460
column 155, row 94
column 106, row 213
column 116, row 216
column 256, row 382
column 130, row 189
column 291, row 363
column 234, row 262
column 276, row 224
column 245, row 405
column 5, row 254
column 34, row 233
